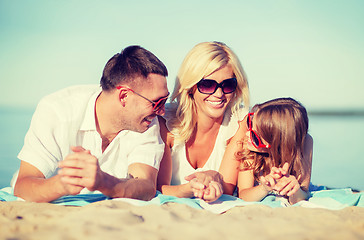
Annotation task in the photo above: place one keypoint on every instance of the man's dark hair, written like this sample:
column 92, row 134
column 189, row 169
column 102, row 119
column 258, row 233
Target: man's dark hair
column 132, row 62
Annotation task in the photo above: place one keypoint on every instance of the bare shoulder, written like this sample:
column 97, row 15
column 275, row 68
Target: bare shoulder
column 241, row 131
column 166, row 135
column 308, row 140
column 308, row 149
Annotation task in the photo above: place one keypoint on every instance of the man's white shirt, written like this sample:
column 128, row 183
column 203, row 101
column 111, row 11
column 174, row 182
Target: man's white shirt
column 67, row 118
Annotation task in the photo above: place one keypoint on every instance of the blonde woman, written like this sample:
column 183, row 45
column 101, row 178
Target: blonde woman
column 210, row 89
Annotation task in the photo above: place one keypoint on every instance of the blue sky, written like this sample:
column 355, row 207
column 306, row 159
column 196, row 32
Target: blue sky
column 310, row 50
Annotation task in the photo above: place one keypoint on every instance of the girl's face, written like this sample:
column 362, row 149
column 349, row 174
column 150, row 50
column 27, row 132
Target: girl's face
column 253, row 135
column 214, row 105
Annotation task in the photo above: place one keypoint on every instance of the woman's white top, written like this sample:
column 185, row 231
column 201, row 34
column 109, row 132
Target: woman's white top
column 181, row 166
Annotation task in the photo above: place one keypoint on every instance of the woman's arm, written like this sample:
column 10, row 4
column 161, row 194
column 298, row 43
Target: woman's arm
column 186, row 190
column 230, row 165
column 165, row 168
column 182, row 190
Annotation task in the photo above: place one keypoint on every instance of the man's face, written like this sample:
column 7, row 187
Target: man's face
column 140, row 110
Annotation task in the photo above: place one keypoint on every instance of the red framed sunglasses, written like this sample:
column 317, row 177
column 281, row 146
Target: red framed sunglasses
column 255, row 139
column 157, row 105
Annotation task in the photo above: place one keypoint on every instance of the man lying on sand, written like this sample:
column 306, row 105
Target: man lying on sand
column 87, row 138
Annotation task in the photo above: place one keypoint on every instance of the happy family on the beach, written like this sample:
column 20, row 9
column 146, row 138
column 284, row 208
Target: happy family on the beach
column 124, row 141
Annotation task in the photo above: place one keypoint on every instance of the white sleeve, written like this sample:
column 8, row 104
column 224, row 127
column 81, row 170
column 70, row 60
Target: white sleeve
column 41, row 147
column 148, row 146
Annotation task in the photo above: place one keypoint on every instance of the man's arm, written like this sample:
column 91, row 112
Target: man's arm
column 40, row 155
column 31, row 185
column 81, row 169
column 141, row 183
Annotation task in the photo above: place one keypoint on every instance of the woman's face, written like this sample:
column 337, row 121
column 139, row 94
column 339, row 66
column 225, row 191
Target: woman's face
column 214, row 105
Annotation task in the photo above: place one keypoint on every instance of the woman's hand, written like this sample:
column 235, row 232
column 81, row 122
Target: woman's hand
column 211, row 193
column 206, row 185
column 205, row 177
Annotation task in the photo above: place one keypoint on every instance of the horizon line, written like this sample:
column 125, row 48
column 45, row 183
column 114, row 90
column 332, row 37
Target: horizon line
column 314, row 111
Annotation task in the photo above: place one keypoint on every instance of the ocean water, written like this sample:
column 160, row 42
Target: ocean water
column 14, row 124
column 337, row 159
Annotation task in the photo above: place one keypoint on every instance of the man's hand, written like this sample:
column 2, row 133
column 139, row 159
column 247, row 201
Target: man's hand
column 80, row 170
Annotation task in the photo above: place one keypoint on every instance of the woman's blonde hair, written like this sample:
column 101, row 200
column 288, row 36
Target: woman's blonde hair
column 283, row 123
column 204, row 59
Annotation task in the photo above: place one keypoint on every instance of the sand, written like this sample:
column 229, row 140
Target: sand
column 120, row 220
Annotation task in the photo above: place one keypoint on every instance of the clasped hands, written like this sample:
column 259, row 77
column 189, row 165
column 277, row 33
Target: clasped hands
column 79, row 170
column 206, row 185
column 280, row 181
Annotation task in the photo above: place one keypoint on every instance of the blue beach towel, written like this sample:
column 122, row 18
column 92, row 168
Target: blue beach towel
column 333, row 199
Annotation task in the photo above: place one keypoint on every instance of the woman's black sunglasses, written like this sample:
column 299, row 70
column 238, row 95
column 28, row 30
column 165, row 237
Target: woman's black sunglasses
column 209, row 86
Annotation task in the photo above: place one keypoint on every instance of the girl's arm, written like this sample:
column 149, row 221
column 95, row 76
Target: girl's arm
column 233, row 173
column 247, row 190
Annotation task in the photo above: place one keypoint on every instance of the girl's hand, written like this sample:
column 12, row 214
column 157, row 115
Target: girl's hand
column 277, row 173
column 268, row 182
column 287, row 185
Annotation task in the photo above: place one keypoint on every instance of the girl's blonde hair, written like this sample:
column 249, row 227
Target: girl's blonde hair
column 283, row 123
column 204, row 59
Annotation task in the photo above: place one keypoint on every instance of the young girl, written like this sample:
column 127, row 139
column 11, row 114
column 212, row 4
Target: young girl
column 270, row 153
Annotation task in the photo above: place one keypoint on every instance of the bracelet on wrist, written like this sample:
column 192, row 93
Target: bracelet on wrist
column 273, row 192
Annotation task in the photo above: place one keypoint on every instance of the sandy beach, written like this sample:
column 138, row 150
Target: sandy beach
column 119, row 220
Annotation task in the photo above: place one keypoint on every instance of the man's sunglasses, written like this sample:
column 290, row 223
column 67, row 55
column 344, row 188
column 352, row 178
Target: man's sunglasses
column 157, row 105
column 255, row 139
column 209, row 86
